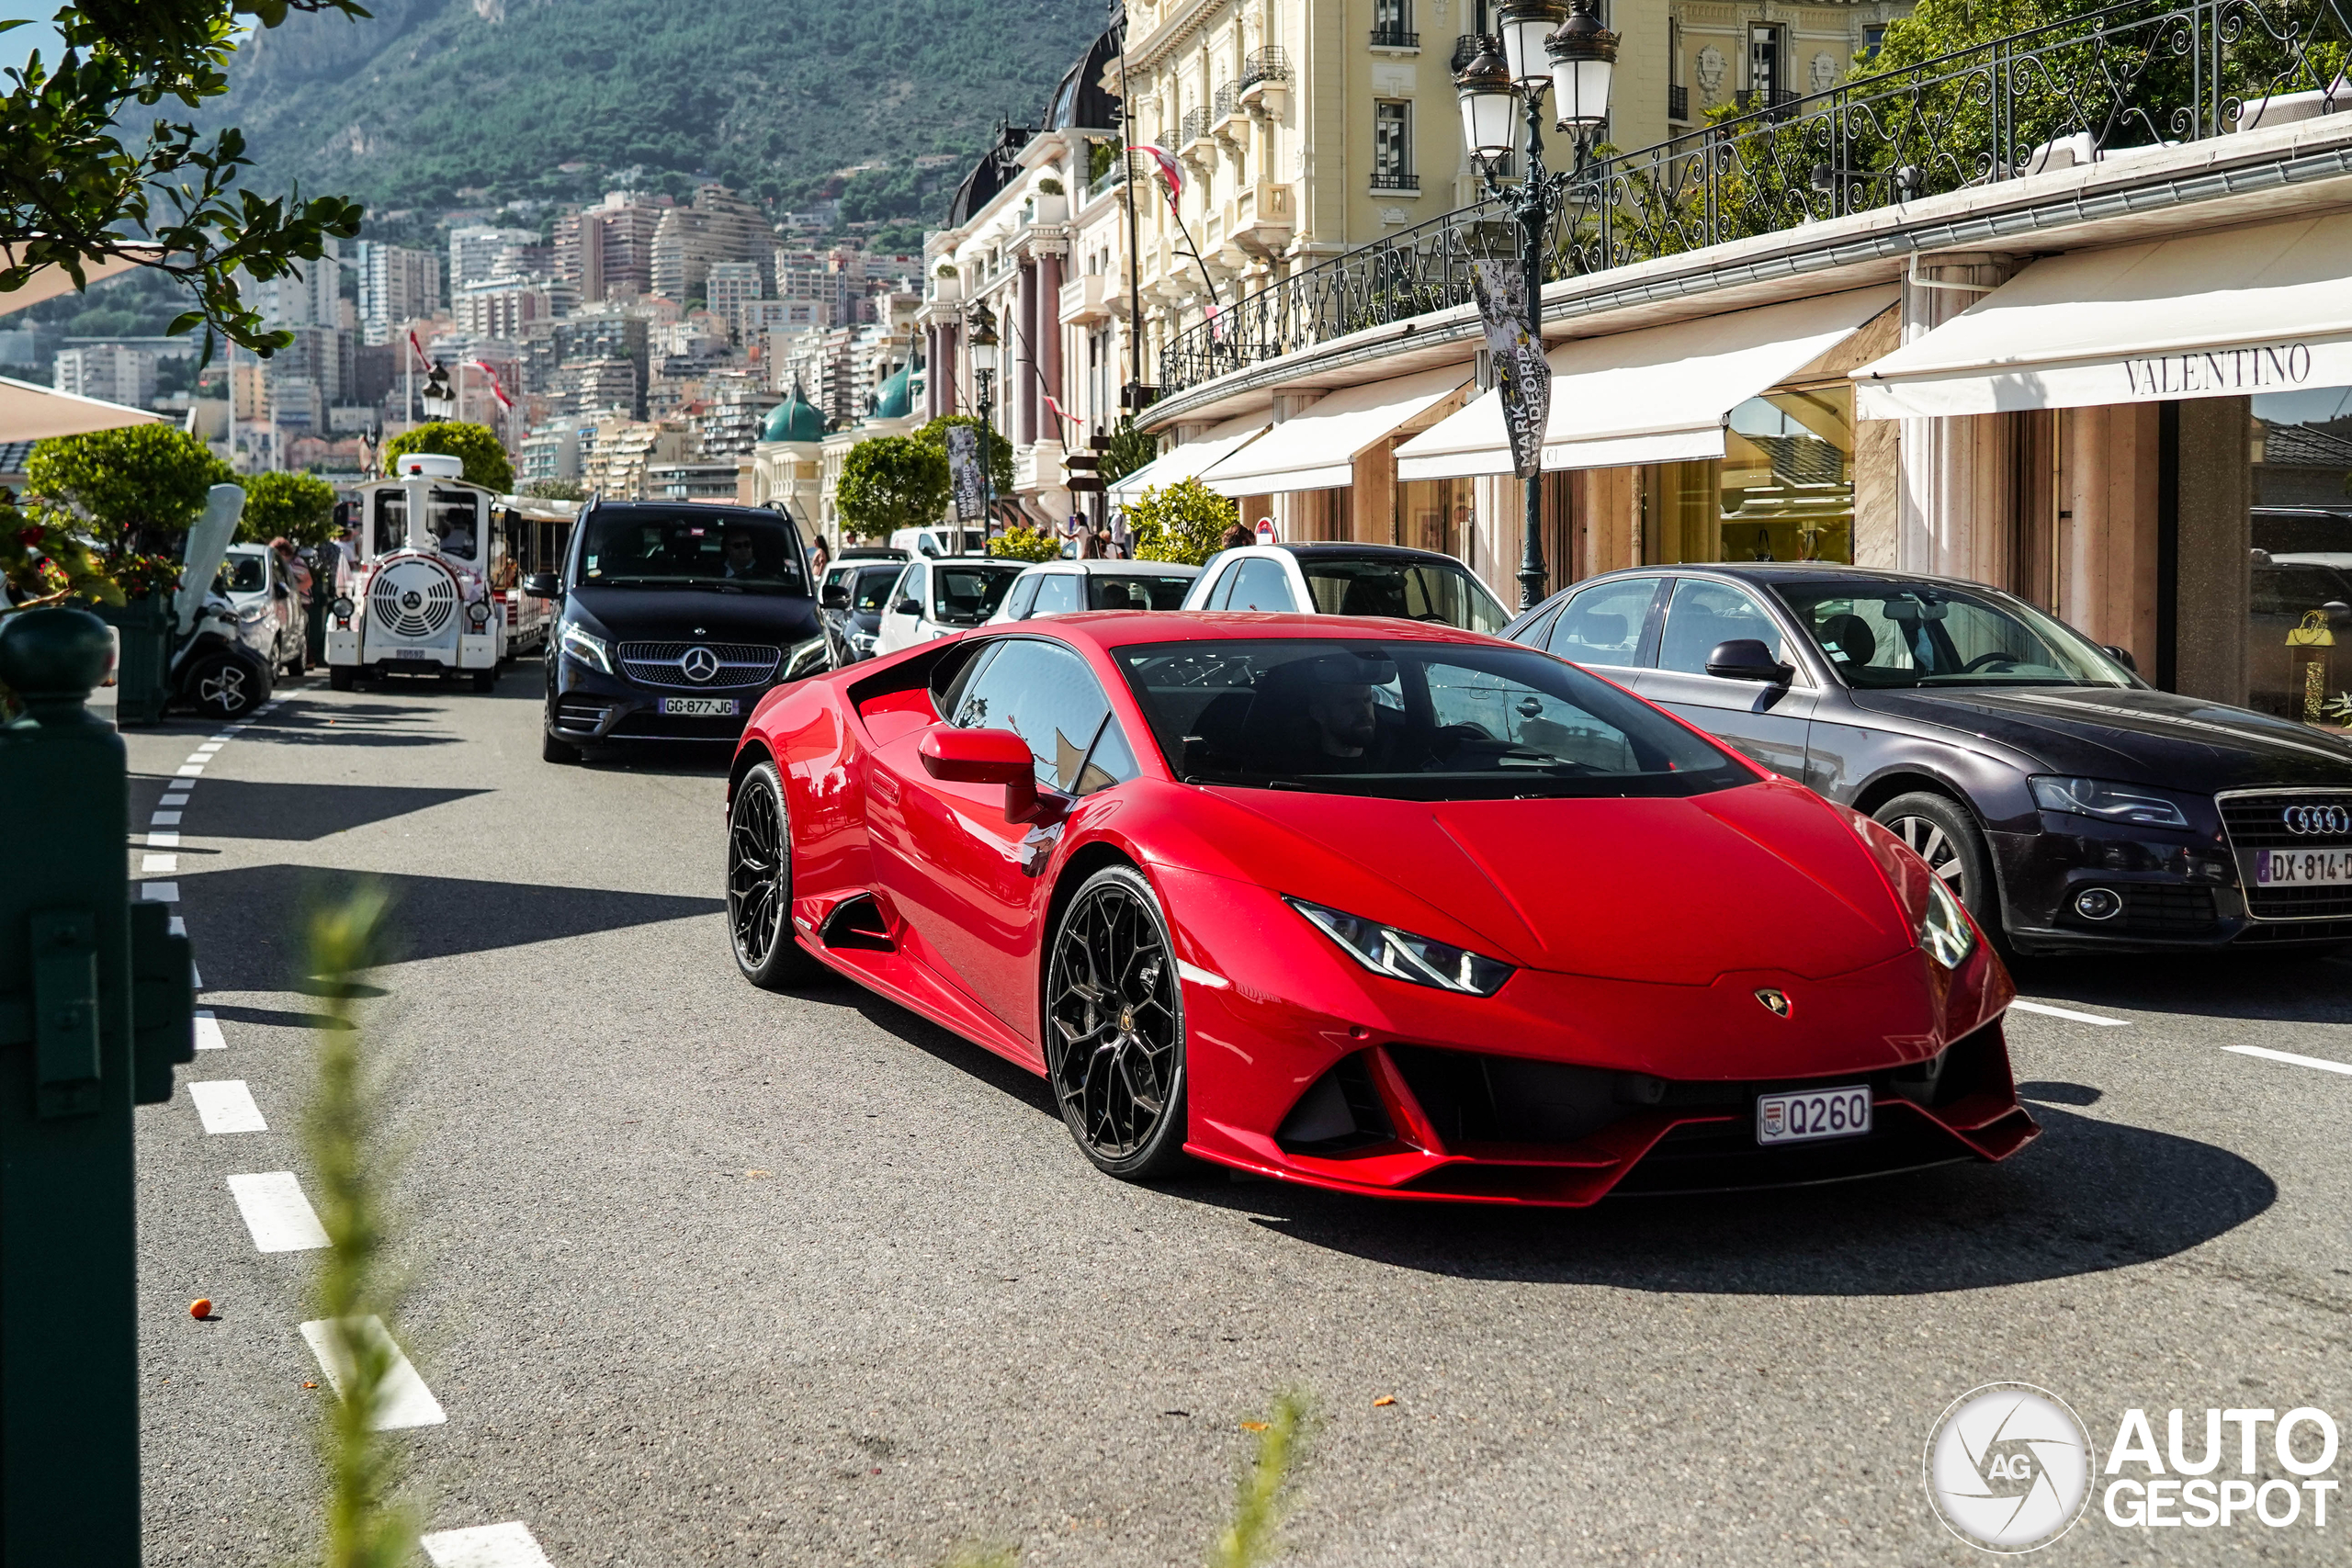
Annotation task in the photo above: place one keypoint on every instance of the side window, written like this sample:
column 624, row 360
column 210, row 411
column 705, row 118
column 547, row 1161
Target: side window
column 1045, row 694
column 1260, row 585
column 1057, row 593
column 1221, row 589
column 908, row 598
column 1704, row 614
column 1112, row 761
column 1602, row 624
column 1017, row 607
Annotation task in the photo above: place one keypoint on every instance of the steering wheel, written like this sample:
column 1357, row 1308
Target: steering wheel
column 1983, row 659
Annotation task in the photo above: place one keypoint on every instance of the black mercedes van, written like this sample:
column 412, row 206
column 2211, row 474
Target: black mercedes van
column 672, row 620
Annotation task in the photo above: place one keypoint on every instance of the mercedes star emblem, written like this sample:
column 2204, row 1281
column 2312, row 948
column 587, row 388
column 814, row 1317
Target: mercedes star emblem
column 412, row 599
column 1776, row 1002
column 2332, row 821
column 699, row 664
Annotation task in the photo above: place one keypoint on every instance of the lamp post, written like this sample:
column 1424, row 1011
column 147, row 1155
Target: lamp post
column 439, row 401
column 984, row 379
column 1563, row 48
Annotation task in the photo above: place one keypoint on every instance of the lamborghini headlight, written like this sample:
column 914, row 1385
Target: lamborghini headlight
column 1944, row 929
column 587, row 649
column 1401, row 955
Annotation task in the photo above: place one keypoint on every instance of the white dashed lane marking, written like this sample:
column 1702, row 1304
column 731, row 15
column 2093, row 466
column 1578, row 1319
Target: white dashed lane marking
column 226, row 1105
column 404, row 1400
column 2045, row 1008
column 167, row 839
column 207, row 1032
column 160, row 892
column 162, row 820
column 2322, row 1062
column 508, row 1545
column 275, row 1211
column 159, row 865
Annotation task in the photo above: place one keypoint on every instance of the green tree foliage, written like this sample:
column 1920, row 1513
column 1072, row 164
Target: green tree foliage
column 1000, row 449
column 140, row 486
column 1026, row 543
column 1182, row 522
column 890, row 482
column 300, row 507
column 1130, row 449
column 485, row 459
column 43, row 560
column 80, row 186
column 770, row 97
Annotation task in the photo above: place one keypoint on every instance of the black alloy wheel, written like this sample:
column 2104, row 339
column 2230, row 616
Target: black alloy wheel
column 223, row 685
column 759, row 885
column 1114, row 1027
column 1942, row 833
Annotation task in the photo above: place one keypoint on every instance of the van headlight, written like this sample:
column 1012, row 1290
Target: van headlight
column 586, row 648
column 342, row 607
column 803, row 659
column 1944, row 929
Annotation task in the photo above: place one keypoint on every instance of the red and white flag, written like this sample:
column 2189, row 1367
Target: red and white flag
column 496, row 389
column 1170, row 169
column 423, row 363
column 1058, row 412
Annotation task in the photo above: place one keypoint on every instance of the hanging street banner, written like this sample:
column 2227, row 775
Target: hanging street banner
column 965, row 476
column 1519, row 366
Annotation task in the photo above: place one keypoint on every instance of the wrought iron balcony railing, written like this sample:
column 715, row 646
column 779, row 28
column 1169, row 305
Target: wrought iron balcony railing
column 1394, row 180
column 1395, row 38
column 1221, row 104
column 2135, row 74
column 1196, row 126
column 1677, row 101
column 1267, row 64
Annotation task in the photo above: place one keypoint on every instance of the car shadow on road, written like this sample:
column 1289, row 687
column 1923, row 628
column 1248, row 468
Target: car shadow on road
column 353, row 723
column 2255, row 987
column 248, row 808
column 2087, row 1197
column 1008, row 1079
column 245, row 917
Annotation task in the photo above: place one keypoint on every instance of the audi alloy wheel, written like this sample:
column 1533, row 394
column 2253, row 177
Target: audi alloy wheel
column 1940, row 832
column 759, row 885
column 1114, row 1027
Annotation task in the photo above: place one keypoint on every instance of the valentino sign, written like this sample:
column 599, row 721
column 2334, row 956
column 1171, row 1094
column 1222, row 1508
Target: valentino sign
column 2211, row 372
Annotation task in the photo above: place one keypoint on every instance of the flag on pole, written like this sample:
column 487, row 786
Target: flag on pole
column 1170, row 169
column 418, row 349
column 1058, row 414
column 496, row 389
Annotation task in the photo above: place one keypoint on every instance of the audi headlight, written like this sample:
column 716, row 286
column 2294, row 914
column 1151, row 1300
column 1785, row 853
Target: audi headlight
column 2107, row 802
column 479, row 614
column 586, row 648
column 1944, row 930
column 1401, row 955
column 803, row 659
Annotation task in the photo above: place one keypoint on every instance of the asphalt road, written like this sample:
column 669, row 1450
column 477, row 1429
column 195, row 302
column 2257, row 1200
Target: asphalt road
column 704, row 1275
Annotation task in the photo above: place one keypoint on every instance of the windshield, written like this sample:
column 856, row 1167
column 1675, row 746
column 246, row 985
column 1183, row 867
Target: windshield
column 964, row 594
column 1879, row 634
column 1135, row 590
column 1416, row 591
column 693, row 548
column 869, row 587
column 243, row 575
column 1411, row 721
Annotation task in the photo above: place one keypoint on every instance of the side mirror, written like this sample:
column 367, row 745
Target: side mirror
column 1745, row 659
column 983, row 757
column 2123, row 656
column 543, row 585
column 835, row 597
column 906, row 607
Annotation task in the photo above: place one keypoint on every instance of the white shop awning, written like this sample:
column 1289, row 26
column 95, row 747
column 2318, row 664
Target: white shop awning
column 1188, row 460
column 2213, row 315
column 1655, row 395
column 34, row 413
column 1316, row 449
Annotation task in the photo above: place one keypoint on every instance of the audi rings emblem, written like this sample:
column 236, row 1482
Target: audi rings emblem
column 2334, row 821
column 699, row 664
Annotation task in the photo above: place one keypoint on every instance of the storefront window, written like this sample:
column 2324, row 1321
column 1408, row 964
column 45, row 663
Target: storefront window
column 1784, row 490
column 1437, row 515
column 2300, row 622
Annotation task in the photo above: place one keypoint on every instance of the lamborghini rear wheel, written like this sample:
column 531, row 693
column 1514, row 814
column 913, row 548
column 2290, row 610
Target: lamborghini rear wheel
column 759, row 885
column 1114, row 1027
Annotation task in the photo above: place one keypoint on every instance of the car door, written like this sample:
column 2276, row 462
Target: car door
column 982, row 890
column 1059, row 593
column 1602, row 626
column 902, row 610
column 1261, row 583
column 1769, row 724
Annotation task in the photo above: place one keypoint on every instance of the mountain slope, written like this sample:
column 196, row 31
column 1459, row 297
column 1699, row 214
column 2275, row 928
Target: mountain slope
column 439, row 101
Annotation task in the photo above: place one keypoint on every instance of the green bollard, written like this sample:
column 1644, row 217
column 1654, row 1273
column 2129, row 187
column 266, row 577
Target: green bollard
column 97, row 1005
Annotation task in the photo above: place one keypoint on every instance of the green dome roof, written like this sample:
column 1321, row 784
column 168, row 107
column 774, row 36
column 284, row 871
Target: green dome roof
column 795, row 419
column 897, row 398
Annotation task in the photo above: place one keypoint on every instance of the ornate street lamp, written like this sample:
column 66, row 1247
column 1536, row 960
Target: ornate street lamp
column 439, row 401
column 984, row 378
column 1561, row 48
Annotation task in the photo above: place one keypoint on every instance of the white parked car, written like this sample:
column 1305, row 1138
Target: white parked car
column 938, row 598
column 274, row 620
column 941, row 539
column 1348, row 579
column 1062, row 587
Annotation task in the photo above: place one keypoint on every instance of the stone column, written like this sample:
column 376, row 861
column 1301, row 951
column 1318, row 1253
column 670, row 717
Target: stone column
column 1022, row 385
column 2214, row 534
column 1958, row 505
column 1047, row 335
column 2106, row 527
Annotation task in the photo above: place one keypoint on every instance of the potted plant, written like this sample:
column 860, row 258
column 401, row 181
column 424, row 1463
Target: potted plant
column 947, row 287
column 1052, row 201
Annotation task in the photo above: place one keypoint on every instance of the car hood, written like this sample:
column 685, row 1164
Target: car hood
column 2132, row 736
column 1767, row 876
column 670, row 615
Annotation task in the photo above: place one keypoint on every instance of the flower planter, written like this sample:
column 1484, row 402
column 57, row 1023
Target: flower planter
column 141, row 673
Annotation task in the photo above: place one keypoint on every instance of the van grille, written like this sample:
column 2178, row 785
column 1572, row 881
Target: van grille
column 734, row 664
